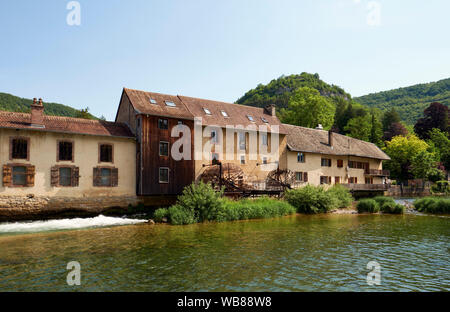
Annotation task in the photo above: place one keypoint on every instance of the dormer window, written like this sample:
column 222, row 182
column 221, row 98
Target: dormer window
column 153, row 101
column 264, row 120
column 250, row 118
column 224, row 114
column 170, row 103
column 207, row 111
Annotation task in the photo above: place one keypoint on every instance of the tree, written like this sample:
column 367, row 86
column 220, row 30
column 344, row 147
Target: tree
column 84, row 113
column 376, row 131
column 308, row 108
column 395, row 129
column 423, row 165
column 390, row 117
column 439, row 143
column 435, row 116
column 359, row 128
column 401, row 150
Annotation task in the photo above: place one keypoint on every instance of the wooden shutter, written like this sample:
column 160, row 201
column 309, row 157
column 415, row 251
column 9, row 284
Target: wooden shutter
column 75, row 176
column 54, row 176
column 329, row 163
column 329, row 180
column 96, row 177
column 305, row 177
column 30, row 175
column 7, row 176
column 114, row 177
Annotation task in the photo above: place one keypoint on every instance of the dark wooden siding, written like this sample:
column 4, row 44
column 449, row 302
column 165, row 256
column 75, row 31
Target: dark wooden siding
column 181, row 173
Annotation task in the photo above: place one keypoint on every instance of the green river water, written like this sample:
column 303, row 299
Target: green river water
column 297, row 253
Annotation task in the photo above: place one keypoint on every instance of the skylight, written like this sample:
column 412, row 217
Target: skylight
column 264, row 120
column 250, row 118
column 153, row 101
column 171, row 104
column 224, row 113
column 207, row 111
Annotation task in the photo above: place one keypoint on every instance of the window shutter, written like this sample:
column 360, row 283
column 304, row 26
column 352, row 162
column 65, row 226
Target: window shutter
column 329, row 163
column 54, row 176
column 7, row 176
column 30, row 175
column 75, row 176
column 114, row 177
column 305, row 177
column 329, row 180
column 96, row 177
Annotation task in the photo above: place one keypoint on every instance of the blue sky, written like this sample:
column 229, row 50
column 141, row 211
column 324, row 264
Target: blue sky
column 216, row 49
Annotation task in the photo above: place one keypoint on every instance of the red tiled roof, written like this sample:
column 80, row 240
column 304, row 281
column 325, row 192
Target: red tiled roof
column 189, row 108
column 14, row 120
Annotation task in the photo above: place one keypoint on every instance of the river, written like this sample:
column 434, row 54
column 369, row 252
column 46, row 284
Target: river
column 297, row 253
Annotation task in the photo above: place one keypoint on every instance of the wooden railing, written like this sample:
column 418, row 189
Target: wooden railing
column 367, row 187
column 376, row 172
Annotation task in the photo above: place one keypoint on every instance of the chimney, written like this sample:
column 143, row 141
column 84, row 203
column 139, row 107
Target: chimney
column 319, row 127
column 37, row 114
column 270, row 110
column 330, row 138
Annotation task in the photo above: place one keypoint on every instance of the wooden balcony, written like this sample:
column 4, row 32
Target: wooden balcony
column 377, row 173
column 367, row 187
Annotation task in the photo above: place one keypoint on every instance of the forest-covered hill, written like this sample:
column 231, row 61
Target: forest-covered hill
column 410, row 102
column 279, row 91
column 13, row 103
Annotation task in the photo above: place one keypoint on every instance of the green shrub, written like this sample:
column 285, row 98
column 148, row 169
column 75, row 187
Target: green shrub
column 310, row 199
column 392, row 207
column 201, row 200
column 179, row 215
column 161, row 213
column 368, row 205
column 381, row 200
column 433, row 205
column 341, row 196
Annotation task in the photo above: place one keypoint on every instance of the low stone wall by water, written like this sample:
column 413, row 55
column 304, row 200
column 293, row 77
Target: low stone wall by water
column 407, row 191
column 14, row 208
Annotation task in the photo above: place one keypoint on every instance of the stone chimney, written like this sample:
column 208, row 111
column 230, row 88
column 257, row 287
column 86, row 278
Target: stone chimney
column 319, row 127
column 330, row 138
column 37, row 114
column 270, row 110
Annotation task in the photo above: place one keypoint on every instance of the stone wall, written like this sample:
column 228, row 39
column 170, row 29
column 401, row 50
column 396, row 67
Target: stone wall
column 408, row 191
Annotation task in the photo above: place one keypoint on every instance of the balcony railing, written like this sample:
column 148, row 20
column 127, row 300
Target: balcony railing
column 376, row 172
column 367, row 187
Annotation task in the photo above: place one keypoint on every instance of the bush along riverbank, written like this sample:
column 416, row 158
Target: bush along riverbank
column 201, row 203
column 379, row 204
column 433, row 205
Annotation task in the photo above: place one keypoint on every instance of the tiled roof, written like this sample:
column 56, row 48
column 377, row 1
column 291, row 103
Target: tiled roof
column 189, row 108
column 300, row 139
column 14, row 120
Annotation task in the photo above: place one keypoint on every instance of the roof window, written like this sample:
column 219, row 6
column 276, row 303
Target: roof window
column 153, row 101
column 264, row 120
column 170, row 103
column 224, row 114
column 207, row 111
column 250, row 118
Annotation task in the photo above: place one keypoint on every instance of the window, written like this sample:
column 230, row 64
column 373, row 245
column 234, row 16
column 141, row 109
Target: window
column 163, row 124
column 215, row 158
column 299, row 176
column 250, row 118
column 242, row 160
column 18, row 175
column 163, row 175
column 264, row 160
column 340, row 163
column 264, row 139
column 369, row 180
column 153, row 101
column 264, row 120
column 106, row 153
column 170, row 103
column 207, row 111
column 242, row 143
column 353, row 180
column 224, row 113
column 180, row 122
column 106, row 177
column 337, row 180
column 64, row 176
column 163, row 148
column 326, row 162
column 65, row 151
column 214, row 137
column 19, row 148
column 325, row 180
column 300, row 157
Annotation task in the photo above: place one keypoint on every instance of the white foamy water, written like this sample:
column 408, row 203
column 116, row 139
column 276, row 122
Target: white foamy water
column 65, row 224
